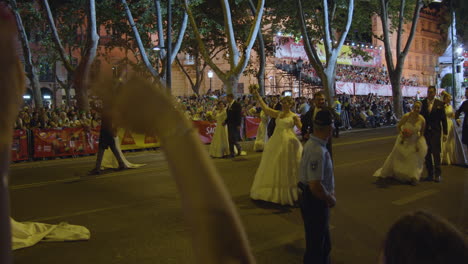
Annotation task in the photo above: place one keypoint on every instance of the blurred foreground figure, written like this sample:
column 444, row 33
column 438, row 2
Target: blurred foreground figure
column 421, row 237
column 11, row 89
column 142, row 107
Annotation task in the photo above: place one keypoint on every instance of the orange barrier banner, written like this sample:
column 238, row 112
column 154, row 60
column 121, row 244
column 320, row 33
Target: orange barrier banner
column 129, row 140
column 206, row 130
column 63, row 142
column 19, row 147
column 251, row 126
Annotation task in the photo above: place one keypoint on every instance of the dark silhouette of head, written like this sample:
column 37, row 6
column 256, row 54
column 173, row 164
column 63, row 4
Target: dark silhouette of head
column 421, row 237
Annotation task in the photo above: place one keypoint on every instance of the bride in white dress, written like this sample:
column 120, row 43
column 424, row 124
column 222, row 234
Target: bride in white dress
column 261, row 137
column 448, row 156
column 406, row 161
column 219, row 146
column 277, row 176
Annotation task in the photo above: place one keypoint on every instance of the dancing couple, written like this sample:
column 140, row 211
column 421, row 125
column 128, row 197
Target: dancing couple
column 421, row 132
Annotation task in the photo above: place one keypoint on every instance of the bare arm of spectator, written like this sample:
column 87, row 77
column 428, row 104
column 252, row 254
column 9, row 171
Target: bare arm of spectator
column 217, row 232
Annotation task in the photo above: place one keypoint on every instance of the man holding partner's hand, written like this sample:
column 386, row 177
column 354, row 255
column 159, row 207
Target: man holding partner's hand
column 318, row 190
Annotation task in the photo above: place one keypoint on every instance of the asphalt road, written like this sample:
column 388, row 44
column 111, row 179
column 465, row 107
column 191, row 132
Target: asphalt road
column 135, row 217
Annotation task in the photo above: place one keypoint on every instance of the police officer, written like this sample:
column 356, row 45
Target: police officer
column 318, row 190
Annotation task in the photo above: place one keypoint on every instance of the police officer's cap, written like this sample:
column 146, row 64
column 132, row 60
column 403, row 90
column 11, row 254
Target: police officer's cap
column 323, row 118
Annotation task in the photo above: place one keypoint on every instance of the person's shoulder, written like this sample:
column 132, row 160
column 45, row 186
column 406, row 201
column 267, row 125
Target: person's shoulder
column 313, row 148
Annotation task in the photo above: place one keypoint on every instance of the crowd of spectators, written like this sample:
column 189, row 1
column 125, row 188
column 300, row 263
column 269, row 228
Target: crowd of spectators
column 356, row 111
column 56, row 117
column 344, row 73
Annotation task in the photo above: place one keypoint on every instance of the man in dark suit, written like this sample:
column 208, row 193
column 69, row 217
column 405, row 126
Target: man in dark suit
column 308, row 119
column 233, row 122
column 107, row 134
column 433, row 111
column 463, row 109
column 275, row 104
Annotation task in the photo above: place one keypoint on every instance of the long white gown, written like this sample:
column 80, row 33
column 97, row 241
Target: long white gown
column 219, row 146
column 448, row 155
column 109, row 161
column 405, row 163
column 261, row 137
column 277, row 176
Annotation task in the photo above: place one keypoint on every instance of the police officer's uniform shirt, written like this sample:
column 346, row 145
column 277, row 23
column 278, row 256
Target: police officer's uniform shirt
column 316, row 164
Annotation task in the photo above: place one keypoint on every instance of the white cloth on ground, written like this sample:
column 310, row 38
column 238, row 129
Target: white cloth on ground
column 26, row 234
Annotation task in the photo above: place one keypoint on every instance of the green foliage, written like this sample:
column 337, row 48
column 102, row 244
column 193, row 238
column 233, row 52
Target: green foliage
column 446, row 81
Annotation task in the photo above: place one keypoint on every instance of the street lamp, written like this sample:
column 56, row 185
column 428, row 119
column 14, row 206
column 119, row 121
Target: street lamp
column 452, row 33
column 210, row 76
column 299, row 69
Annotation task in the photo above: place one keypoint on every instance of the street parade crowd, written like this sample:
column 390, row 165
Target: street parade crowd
column 290, row 173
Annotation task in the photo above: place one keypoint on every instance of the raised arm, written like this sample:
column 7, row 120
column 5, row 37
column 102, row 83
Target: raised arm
column 217, row 233
column 268, row 111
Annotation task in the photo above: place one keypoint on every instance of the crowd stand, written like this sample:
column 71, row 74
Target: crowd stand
column 344, row 73
column 76, row 133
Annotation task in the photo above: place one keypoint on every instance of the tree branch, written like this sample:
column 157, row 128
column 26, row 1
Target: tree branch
column 66, row 61
column 254, row 30
column 143, row 55
column 310, row 49
column 180, row 37
column 233, row 51
column 417, row 10
column 400, row 25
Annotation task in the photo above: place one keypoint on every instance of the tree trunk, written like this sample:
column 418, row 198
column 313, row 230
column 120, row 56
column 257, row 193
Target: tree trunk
column 261, row 55
column 66, row 87
column 82, row 73
column 30, row 69
column 395, row 78
column 231, row 84
column 138, row 41
column 329, row 82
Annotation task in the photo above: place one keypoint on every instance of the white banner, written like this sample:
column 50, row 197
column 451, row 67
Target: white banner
column 344, row 88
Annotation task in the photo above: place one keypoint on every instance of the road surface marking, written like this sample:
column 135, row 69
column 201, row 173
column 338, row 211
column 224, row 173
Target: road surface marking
column 415, row 197
column 363, row 141
column 87, row 177
column 39, row 184
column 85, row 212
column 361, row 161
column 82, row 159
